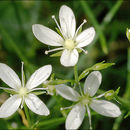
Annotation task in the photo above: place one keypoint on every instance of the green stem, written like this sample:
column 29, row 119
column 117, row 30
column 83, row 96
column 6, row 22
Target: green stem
column 107, row 19
column 77, row 78
column 76, row 74
column 89, row 13
column 27, row 115
column 15, row 47
column 127, row 92
column 118, row 122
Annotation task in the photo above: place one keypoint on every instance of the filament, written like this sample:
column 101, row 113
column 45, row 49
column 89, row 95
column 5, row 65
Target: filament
column 86, row 52
column 84, row 21
column 8, row 89
column 22, row 74
column 99, row 96
column 65, row 108
column 52, row 50
column 53, row 17
column 38, row 89
column 89, row 116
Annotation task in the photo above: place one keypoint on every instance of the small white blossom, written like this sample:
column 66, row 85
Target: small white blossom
column 23, row 93
column 86, row 100
column 70, row 40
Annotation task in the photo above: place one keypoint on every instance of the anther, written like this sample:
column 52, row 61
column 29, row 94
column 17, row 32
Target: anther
column 53, row 16
column 84, row 21
column 46, row 52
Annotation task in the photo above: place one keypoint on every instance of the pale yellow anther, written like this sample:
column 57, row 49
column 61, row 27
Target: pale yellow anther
column 22, row 91
column 85, row 99
column 69, row 44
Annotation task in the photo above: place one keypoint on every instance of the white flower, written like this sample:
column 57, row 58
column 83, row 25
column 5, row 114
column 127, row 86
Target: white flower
column 70, row 40
column 23, row 93
column 83, row 102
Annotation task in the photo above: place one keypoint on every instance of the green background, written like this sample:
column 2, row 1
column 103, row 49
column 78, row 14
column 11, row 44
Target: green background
column 110, row 18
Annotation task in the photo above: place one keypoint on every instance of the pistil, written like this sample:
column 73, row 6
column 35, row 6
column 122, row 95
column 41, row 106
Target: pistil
column 69, row 44
column 22, row 91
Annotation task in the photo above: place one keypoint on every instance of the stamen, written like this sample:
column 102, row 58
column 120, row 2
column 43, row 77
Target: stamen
column 38, row 89
column 84, row 21
column 86, row 52
column 65, row 108
column 8, row 89
column 46, row 52
column 99, row 96
column 89, row 116
column 117, row 101
column 22, row 103
column 22, row 74
column 53, row 17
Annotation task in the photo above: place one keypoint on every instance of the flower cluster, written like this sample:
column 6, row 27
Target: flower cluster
column 70, row 41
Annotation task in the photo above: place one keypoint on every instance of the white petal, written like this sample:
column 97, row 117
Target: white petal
column 9, row 76
column 105, row 108
column 39, row 76
column 75, row 117
column 10, row 106
column 92, row 83
column 36, row 105
column 46, row 35
column 67, row 92
column 86, row 37
column 69, row 58
column 67, row 21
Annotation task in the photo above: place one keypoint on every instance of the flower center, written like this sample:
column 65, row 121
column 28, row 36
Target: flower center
column 85, row 99
column 51, row 89
column 22, row 91
column 69, row 44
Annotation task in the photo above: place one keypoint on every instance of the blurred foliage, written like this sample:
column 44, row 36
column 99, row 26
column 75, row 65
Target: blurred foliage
column 17, row 43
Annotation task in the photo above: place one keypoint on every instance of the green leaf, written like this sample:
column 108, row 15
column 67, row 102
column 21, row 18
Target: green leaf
column 56, row 54
column 57, row 29
column 59, row 81
column 117, row 91
column 9, row 91
column 52, row 123
column 84, row 73
column 102, row 65
column 52, row 76
column 128, row 114
column 98, row 66
column 39, row 93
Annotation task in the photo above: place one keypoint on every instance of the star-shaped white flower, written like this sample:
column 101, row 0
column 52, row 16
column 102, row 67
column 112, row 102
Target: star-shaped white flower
column 83, row 102
column 23, row 93
column 70, row 40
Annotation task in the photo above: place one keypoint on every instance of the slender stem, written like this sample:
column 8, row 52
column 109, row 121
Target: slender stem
column 127, row 92
column 89, row 13
column 27, row 114
column 76, row 74
column 77, row 78
column 89, row 116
